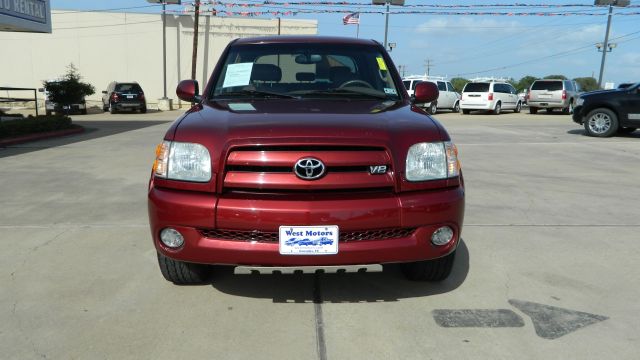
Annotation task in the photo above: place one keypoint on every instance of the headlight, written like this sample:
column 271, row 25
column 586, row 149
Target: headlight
column 432, row 161
column 580, row 101
column 182, row 161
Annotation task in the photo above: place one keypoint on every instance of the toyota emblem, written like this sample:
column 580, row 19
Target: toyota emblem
column 309, row 169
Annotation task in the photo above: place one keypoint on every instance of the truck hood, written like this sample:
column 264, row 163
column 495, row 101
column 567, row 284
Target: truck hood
column 224, row 125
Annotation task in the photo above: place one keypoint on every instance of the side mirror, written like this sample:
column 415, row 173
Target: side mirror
column 188, row 90
column 425, row 92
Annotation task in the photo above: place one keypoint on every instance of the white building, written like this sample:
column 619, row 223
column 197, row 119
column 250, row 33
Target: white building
column 107, row 47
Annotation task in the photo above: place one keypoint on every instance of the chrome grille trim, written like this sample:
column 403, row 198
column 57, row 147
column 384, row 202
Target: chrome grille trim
column 269, row 237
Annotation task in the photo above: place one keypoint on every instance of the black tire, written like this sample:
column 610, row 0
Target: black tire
column 518, row 107
column 105, row 108
column 601, row 122
column 498, row 109
column 431, row 270
column 533, row 110
column 466, row 111
column 569, row 109
column 456, row 107
column 433, row 108
column 83, row 112
column 626, row 130
column 112, row 109
column 143, row 110
column 182, row 273
column 549, row 110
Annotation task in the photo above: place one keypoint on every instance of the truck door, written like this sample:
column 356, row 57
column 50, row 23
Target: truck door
column 631, row 106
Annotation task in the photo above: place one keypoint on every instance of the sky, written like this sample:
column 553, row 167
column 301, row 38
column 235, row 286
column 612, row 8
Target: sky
column 467, row 46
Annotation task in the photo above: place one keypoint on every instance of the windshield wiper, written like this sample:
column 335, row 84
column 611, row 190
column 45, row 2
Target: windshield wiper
column 368, row 93
column 257, row 93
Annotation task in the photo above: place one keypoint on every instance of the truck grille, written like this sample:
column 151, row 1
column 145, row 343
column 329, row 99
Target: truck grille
column 271, row 168
column 346, row 236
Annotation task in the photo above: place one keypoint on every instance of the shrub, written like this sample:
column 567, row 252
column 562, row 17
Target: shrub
column 34, row 124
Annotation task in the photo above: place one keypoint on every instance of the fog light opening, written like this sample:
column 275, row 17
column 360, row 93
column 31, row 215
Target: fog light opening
column 171, row 238
column 442, row 236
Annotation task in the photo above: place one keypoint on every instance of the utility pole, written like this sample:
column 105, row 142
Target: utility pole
column 428, row 65
column 386, row 27
column 164, row 48
column 403, row 70
column 194, row 59
column 604, row 48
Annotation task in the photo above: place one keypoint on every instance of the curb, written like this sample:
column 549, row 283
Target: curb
column 41, row 136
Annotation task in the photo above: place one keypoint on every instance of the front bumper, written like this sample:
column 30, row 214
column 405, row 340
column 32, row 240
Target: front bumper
column 578, row 114
column 193, row 214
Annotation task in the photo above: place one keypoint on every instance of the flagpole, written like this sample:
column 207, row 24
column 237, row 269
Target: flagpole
column 358, row 30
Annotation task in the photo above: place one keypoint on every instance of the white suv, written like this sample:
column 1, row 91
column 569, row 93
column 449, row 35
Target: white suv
column 490, row 96
column 448, row 99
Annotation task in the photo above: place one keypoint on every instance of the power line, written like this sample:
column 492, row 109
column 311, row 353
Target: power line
column 105, row 10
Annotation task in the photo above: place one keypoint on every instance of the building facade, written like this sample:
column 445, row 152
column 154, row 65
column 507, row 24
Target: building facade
column 107, row 47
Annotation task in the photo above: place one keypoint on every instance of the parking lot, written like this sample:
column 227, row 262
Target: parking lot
column 546, row 268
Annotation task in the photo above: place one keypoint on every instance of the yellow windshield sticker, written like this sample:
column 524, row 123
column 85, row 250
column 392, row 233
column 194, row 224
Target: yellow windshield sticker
column 381, row 64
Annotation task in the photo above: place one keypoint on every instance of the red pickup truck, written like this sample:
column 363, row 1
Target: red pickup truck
column 305, row 154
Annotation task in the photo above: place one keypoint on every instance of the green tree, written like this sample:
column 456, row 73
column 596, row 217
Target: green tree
column 459, row 83
column 526, row 82
column 69, row 89
column 587, row 83
column 561, row 77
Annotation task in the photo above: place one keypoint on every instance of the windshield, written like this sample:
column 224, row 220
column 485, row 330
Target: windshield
column 305, row 71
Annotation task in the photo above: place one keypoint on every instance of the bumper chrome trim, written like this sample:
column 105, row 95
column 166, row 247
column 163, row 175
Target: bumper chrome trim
column 248, row 270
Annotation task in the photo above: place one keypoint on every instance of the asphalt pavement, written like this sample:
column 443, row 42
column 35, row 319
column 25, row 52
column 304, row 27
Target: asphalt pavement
column 546, row 269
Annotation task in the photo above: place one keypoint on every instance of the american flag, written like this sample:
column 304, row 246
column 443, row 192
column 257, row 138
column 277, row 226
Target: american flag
column 353, row 18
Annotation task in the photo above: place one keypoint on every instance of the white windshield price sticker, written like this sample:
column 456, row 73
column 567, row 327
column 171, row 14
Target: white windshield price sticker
column 238, row 75
column 309, row 240
column 241, row 107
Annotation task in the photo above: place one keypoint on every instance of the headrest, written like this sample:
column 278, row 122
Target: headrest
column 305, row 76
column 266, row 72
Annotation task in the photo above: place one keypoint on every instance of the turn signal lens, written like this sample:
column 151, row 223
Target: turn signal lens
column 160, row 166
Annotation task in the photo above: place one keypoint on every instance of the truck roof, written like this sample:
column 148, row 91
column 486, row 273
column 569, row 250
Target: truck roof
column 314, row 39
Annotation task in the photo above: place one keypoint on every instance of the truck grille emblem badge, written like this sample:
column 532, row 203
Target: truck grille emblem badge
column 309, row 169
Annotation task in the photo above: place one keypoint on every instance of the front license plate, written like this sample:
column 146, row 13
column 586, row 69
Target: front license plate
column 309, row 240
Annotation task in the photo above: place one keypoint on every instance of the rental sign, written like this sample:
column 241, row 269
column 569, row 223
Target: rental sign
column 25, row 15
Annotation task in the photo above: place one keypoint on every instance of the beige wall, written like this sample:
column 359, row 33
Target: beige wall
column 109, row 47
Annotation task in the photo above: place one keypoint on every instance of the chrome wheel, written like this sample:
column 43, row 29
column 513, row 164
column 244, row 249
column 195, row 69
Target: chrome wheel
column 600, row 123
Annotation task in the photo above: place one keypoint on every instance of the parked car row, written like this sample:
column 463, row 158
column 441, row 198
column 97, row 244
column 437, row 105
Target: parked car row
column 119, row 96
column 496, row 96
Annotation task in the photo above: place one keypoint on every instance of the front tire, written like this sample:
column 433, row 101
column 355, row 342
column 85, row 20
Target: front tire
column 601, row 123
column 518, row 108
column 182, row 273
column 456, row 107
column 430, row 270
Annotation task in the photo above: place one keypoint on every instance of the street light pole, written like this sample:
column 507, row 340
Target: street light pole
column 386, row 26
column 164, row 48
column 605, row 46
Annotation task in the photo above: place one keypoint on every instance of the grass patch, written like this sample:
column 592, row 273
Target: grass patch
column 34, row 124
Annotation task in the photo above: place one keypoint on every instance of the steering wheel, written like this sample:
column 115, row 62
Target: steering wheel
column 355, row 82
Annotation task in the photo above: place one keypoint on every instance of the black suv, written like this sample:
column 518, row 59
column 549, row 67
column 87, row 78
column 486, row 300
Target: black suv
column 123, row 96
column 603, row 113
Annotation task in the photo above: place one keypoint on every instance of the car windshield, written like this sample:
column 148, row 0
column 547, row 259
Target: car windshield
column 305, row 71
column 476, row 87
column 547, row 85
